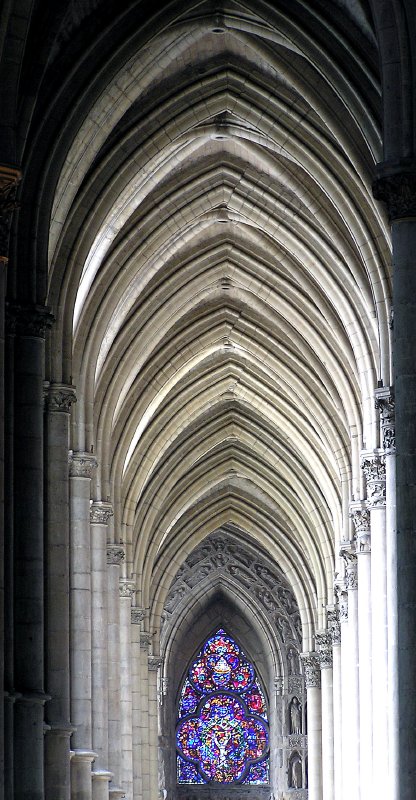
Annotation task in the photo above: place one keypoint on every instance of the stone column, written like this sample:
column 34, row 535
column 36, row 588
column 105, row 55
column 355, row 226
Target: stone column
column 396, row 186
column 9, row 178
column 313, row 692
column 100, row 513
column 323, row 641
column 333, row 621
column 81, row 466
column 374, row 466
column 348, row 553
column 361, row 520
column 59, row 399
column 154, row 663
column 27, row 325
column 115, row 557
column 347, row 711
column 146, row 775
column 385, row 404
column 127, row 590
column 139, row 643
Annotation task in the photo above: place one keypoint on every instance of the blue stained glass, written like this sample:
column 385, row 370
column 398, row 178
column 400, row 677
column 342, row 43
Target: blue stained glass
column 222, row 733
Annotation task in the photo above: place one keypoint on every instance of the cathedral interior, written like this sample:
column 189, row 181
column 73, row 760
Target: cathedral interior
column 208, row 346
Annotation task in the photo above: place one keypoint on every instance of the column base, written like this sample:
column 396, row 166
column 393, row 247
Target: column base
column 116, row 793
column 81, row 781
column 100, row 780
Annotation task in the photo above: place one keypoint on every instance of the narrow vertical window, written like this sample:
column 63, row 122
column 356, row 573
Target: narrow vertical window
column 222, row 733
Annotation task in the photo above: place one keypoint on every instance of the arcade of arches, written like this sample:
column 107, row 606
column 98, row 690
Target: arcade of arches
column 205, row 208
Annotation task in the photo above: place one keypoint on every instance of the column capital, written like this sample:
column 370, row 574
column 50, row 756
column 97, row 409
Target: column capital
column 100, row 512
column 348, row 554
column 373, row 464
column 312, row 670
column 59, row 397
column 360, row 515
column 145, row 640
column 81, row 465
column 395, row 185
column 385, row 404
column 9, row 179
column 137, row 615
column 334, row 626
column 28, row 319
column 126, row 588
column 154, row 663
column 323, row 641
column 115, row 554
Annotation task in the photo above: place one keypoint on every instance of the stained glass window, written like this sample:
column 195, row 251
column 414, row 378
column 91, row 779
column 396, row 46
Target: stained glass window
column 222, row 734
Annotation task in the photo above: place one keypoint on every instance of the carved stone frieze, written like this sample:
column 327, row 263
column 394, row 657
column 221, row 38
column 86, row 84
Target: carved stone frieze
column 81, row 465
column 28, row 320
column 115, row 554
column 373, row 465
column 137, row 615
column 60, row 397
column 100, row 512
column 9, row 179
column 312, row 670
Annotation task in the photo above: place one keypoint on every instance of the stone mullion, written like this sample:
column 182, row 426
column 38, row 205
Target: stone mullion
column 81, row 466
column 154, row 664
column 361, row 520
column 126, row 590
column 57, row 748
column 313, row 693
column 373, row 464
column 323, row 641
column 28, row 326
column 100, row 513
column 115, row 557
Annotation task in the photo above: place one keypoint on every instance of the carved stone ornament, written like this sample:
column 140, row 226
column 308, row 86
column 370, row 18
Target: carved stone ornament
column 9, row 179
column 312, row 670
column 126, row 588
column 154, row 662
column 343, row 606
column 28, row 320
column 323, row 641
column 81, row 465
column 385, row 404
column 100, row 512
column 348, row 554
column 60, row 397
column 360, row 516
column 334, row 626
column 295, row 684
column 295, row 741
column 145, row 640
column 137, row 615
column 397, row 189
column 115, row 554
column 373, row 465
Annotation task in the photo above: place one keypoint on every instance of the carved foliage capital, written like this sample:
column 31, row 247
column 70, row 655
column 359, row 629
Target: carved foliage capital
column 385, row 403
column 127, row 588
column 154, row 662
column 334, row 626
column 60, row 397
column 145, row 640
column 115, row 554
column 81, row 465
column 360, row 516
column 397, row 190
column 137, row 615
column 323, row 641
column 100, row 512
column 28, row 320
column 312, row 670
column 373, row 465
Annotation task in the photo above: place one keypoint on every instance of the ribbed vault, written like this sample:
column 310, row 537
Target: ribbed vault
column 220, row 275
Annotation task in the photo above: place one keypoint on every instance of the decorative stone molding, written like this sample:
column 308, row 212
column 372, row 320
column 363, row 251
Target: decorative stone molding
column 278, row 685
column 28, row 320
column 126, row 588
column 360, row 516
column 154, row 662
column 137, row 615
column 9, row 179
column 312, row 670
column 145, row 640
column 60, row 397
column 115, row 554
column 81, row 465
column 385, row 404
column 395, row 186
column 295, row 741
column 100, row 512
column 323, row 641
column 373, row 464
